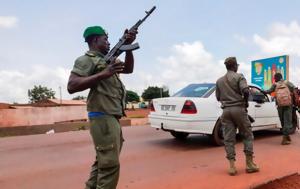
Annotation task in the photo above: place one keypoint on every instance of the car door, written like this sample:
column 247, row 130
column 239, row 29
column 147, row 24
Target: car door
column 264, row 110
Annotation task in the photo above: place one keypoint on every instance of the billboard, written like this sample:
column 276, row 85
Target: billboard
column 263, row 71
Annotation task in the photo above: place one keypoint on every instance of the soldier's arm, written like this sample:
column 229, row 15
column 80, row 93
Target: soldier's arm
column 244, row 88
column 129, row 63
column 129, row 59
column 269, row 91
column 246, row 93
column 78, row 82
column 217, row 93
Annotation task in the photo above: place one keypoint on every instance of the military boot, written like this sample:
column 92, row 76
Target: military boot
column 251, row 167
column 232, row 170
column 286, row 140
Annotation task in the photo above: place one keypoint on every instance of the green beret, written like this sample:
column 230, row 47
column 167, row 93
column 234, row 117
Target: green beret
column 230, row 61
column 94, row 30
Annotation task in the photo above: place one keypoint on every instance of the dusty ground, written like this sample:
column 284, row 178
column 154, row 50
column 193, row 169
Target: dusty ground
column 150, row 159
column 288, row 182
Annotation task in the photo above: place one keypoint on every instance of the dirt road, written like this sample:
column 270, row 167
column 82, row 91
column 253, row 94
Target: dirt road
column 150, row 159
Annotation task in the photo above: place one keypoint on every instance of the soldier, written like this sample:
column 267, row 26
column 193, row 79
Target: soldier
column 283, row 90
column 232, row 91
column 105, row 103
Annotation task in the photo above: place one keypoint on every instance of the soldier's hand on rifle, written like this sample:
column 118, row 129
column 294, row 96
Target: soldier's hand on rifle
column 130, row 36
column 115, row 67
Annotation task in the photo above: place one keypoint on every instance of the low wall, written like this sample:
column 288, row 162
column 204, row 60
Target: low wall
column 41, row 115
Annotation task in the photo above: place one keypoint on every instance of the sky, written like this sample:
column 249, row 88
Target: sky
column 182, row 42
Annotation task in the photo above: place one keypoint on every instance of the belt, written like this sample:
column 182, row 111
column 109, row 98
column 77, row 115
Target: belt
column 100, row 114
column 95, row 114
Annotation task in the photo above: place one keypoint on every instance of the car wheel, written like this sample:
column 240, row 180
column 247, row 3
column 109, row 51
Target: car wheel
column 179, row 135
column 217, row 135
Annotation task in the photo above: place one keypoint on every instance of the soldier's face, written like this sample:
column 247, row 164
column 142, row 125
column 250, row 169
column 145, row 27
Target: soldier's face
column 102, row 44
column 235, row 68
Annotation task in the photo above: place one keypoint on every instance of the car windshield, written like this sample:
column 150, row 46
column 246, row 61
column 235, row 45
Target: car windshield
column 196, row 90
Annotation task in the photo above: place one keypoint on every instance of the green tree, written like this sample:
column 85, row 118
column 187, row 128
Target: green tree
column 40, row 93
column 132, row 96
column 79, row 98
column 154, row 92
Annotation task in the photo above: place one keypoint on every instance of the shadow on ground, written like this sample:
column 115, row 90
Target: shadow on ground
column 193, row 142
column 200, row 141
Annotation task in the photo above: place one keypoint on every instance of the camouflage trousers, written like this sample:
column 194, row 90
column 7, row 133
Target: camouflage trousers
column 285, row 115
column 234, row 118
column 107, row 137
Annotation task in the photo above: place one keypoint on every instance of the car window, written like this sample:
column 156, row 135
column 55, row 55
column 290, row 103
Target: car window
column 196, row 90
column 255, row 93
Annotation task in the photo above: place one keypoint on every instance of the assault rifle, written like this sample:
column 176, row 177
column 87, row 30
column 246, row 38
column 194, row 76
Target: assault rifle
column 120, row 47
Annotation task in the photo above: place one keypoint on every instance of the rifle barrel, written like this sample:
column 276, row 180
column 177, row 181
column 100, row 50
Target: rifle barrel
column 115, row 51
column 148, row 13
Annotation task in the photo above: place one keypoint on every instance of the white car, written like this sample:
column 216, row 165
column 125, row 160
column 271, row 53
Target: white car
column 195, row 109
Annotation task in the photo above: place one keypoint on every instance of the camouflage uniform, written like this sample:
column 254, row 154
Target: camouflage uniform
column 105, row 104
column 229, row 91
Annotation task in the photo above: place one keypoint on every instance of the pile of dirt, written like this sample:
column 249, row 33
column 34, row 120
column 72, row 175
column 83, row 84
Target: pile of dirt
column 288, row 182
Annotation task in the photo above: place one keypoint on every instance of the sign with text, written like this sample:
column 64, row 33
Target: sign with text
column 263, row 70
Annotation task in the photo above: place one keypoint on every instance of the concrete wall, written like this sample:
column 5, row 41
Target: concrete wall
column 135, row 105
column 41, row 115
